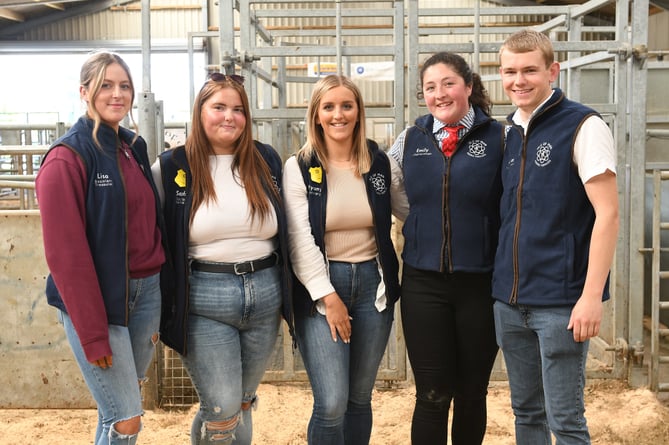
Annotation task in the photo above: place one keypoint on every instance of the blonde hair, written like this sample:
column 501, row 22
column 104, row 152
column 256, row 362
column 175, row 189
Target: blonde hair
column 92, row 77
column 315, row 144
column 527, row 40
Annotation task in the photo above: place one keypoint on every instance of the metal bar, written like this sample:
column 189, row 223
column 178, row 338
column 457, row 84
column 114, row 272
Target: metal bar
column 18, row 177
column 23, row 149
column 656, row 275
column 633, row 78
column 400, row 54
column 17, row 184
column 338, row 38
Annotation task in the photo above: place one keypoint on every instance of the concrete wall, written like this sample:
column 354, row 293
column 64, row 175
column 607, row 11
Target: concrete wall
column 37, row 368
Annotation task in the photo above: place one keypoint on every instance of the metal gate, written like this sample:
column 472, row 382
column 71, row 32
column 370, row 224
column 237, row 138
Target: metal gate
column 604, row 65
column 659, row 353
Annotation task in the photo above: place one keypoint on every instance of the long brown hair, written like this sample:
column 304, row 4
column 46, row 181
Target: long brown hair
column 92, row 77
column 254, row 172
column 315, row 144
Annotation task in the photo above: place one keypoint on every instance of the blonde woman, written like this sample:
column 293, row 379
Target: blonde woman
column 102, row 239
column 339, row 217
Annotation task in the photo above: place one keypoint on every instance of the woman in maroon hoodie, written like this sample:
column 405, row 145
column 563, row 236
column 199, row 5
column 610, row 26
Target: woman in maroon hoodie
column 102, row 241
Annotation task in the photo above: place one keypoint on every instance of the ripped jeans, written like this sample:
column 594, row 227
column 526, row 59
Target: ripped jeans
column 233, row 323
column 116, row 389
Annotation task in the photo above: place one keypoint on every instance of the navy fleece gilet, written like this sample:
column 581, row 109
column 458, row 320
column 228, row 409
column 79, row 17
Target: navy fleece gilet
column 377, row 184
column 177, row 182
column 454, row 202
column 547, row 219
column 106, row 222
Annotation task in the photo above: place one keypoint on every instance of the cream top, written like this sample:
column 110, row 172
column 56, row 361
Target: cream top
column 349, row 233
column 222, row 230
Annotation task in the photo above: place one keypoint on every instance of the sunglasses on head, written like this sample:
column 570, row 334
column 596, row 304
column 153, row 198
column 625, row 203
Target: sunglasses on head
column 220, row 77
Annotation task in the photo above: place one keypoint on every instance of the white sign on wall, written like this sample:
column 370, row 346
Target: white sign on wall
column 374, row 71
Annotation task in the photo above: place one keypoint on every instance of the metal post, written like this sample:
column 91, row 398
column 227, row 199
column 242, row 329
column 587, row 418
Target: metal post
column 637, row 159
column 226, row 36
column 339, row 37
column 145, row 103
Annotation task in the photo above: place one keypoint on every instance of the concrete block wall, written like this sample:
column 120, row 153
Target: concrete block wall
column 37, row 368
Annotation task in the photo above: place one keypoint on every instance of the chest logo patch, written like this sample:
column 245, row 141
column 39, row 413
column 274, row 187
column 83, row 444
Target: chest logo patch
column 276, row 184
column 543, row 154
column 378, row 181
column 476, row 149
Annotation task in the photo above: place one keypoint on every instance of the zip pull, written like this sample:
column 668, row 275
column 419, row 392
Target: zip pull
column 124, row 150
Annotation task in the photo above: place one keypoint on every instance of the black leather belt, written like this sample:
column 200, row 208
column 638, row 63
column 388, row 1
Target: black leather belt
column 237, row 268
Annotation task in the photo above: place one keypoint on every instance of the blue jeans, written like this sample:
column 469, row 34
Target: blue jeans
column 342, row 375
column 233, row 324
column 546, row 370
column 116, row 390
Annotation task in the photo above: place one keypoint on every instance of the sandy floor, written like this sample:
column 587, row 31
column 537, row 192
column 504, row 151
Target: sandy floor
column 616, row 414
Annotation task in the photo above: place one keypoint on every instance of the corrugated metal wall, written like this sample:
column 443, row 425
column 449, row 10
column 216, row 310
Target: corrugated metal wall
column 659, row 40
column 171, row 19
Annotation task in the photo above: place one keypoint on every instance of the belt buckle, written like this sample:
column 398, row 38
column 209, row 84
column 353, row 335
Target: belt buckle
column 239, row 268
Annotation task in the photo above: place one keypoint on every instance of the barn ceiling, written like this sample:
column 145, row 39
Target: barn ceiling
column 19, row 16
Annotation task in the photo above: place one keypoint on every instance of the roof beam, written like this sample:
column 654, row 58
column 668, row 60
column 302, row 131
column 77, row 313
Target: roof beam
column 33, row 2
column 8, row 14
column 89, row 7
column 664, row 4
column 57, row 6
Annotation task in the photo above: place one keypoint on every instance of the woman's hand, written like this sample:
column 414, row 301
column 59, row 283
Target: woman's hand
column 104, row 362
column 337, row 316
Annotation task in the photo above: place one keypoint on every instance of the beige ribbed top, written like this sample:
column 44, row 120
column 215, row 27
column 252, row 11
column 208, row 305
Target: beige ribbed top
column 349, row 227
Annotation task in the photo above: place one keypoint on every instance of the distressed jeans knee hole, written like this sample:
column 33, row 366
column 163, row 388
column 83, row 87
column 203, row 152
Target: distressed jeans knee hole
column 222, row 431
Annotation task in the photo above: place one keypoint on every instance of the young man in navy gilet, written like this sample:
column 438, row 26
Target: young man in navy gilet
column 559, row 228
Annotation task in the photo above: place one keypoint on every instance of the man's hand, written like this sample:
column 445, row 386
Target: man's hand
column 586, row 318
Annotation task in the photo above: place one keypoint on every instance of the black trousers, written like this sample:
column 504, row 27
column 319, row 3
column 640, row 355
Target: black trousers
column 450, row 336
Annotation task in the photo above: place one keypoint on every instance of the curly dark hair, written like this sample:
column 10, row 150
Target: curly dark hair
column 479, row 96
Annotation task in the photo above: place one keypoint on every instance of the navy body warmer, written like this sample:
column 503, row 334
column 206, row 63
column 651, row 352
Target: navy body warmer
column 547, row 219
column 377, row 184
column 177, row 180
column 454, row 202
column 106, row 222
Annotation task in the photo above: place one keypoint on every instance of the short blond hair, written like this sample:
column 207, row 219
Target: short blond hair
column 527, row 40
